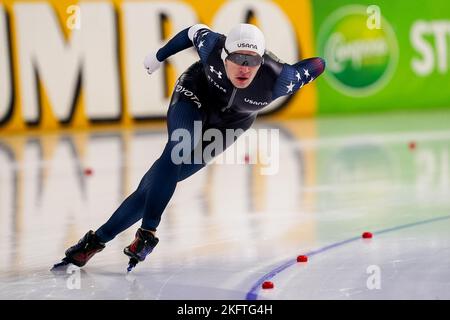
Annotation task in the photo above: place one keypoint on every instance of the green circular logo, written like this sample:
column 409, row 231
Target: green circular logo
column 361, row 55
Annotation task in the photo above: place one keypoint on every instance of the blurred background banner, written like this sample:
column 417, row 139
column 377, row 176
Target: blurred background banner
column 70, row 64
column 383, row 55
column 365, row 147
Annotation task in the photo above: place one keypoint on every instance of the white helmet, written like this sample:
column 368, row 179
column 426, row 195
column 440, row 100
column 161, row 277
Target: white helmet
column 244, row 36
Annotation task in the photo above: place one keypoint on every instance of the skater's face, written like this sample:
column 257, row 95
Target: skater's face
column 242, row 75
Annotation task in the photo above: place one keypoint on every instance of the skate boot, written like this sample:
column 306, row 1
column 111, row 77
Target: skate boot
column 140, row 248
column 83, row 251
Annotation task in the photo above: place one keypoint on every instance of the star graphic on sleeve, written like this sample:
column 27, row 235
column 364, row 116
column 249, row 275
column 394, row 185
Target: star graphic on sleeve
column 297, row 74
column 290, row 87
column 306, row 72
column 205, row 34
column 201, row 44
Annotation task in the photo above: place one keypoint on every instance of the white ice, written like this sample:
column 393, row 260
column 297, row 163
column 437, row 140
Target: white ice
column 228, row 228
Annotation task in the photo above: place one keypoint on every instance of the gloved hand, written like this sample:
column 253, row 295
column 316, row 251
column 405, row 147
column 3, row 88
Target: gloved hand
column 151, row 63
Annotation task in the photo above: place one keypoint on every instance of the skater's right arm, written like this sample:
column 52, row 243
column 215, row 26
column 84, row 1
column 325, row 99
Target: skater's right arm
column 198, row 35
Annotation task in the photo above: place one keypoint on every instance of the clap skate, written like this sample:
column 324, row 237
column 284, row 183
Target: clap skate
column 140, row 248
column 82, row 252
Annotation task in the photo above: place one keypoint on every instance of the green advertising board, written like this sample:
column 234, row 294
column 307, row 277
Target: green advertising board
column 386, row 56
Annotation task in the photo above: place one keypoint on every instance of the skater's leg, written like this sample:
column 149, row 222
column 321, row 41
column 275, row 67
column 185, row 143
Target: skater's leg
column 158, row 184
column 160, row 181
column 162, row 187
column 129, row 212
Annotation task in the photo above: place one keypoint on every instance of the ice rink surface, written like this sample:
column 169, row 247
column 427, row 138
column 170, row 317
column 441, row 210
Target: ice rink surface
column 229, row 228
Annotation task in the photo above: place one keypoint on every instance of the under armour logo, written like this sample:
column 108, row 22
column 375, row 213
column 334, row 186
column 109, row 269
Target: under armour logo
column 219, row 73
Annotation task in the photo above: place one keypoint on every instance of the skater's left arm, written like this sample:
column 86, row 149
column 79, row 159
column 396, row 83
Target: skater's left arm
column 179, row 42
column 294, row 77
column 199, row 36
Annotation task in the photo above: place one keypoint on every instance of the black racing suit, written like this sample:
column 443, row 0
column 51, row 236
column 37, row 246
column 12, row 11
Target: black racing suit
column 204, row 93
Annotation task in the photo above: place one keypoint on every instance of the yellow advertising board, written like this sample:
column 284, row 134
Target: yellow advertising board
column 78, row 64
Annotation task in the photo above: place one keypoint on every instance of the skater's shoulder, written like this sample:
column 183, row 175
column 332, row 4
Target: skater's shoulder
column 205, row 40
column 272, row 65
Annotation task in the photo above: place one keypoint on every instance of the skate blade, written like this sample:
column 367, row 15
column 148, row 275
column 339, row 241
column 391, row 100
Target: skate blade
column 132, row 264
column 61, row 266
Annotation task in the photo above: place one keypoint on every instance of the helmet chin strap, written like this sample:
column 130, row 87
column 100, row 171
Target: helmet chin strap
column 224, row 55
